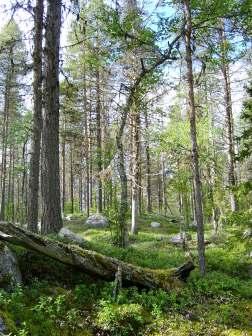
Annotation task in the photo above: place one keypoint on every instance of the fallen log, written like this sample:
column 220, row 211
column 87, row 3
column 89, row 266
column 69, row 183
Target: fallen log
column 95, row 263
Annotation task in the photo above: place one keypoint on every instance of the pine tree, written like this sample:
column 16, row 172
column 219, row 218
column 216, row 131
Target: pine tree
column 246, row 118
column 37, row 119
column 193, row 132
column 50, row 179
column 12, row 64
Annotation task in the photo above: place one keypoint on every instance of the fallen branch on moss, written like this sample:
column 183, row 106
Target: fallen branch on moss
column 95, row 263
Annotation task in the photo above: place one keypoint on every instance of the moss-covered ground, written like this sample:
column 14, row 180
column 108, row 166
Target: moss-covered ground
column 58, row 300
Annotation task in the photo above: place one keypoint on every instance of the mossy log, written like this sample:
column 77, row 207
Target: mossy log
column 95, row 263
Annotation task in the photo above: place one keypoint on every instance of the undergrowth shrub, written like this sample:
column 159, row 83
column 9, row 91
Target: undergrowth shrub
column 120, row 320
column 216, row 284
column 238, row 218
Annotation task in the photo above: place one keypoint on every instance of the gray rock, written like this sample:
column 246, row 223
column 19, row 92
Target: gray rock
column 70, row 235
column 97, row 221
column 10, row 275
column 2, row 326
column 155, row 224
column 180, row 237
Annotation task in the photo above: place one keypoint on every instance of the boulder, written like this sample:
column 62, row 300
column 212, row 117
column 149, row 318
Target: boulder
column 97, row 221
column 180, row 237
column 71, row 236
column 155, row 225
column 10, row 275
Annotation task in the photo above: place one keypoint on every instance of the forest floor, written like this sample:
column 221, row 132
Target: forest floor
column 57, row 300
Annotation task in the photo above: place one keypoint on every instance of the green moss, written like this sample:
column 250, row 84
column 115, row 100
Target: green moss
column 166, row 279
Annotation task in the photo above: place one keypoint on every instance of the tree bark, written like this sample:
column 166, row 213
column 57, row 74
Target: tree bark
column 123, row 208
column 160, row 203
column 148, row 168
column 37, row 119
column 135, row 121
column 71, row 179
column 94, row 263
column 7, row 92
column 86, row 142
column 9, row 179
column 139, row 182
column 164, row 194
column 80, row 192
column 229, row 121
column 63, row 175
column 98, row 142
column 50, row 186
column 193, row 133
column 90, row 148
column 18, row 198
column 23, row 188
column 13, row 186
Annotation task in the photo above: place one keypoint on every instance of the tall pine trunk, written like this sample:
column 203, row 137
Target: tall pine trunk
column 160, row 203
column 229, row 121
column 135, row 119
column 71, row 179
column 63, row 175
column 164, row 194
column 86, row 142
column 7, row 92
column 148, row 168
column 23, row 187
column 13, row 186
column 37, row 119
column 123, row 207
column 90, row 149
column 50, row 186
column 98, row 142
column 80, row 192
column 193, row 133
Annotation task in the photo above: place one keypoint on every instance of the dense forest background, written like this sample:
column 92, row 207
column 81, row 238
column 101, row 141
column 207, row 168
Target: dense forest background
column 128, row 124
